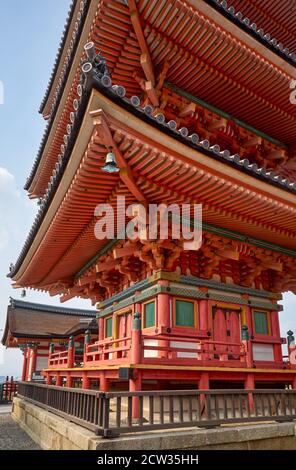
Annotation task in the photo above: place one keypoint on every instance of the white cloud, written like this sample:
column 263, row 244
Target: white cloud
column 7, row 183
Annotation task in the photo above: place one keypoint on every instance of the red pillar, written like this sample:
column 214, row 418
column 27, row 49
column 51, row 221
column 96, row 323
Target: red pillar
column 104, row 383
column 135, row 385
column 25, row 364
column 69, row 380
column 163, row 317
column 250, row 385
column 101, row 329
column 59, row 380
column 163, row 308
column 71, row 353
column 85, row 381
column 204, row 381
column 204, row 384
column 247, row 332
column 294, row 383
column 275, row 329
column 87, row 338
column 136, row 346
column 34, row 361
column 204, row 315
column 31, row 362
column 48, row 379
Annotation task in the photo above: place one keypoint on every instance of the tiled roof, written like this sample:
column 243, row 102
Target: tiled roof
column 23, row 320
column 59, row 53
column 254, row 29
column 20, row 304
column 72, row 49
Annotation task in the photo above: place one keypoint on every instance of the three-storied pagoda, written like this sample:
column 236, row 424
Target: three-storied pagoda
column 189, row 102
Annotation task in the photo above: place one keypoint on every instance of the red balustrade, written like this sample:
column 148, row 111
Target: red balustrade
column 58, row 360
column 188, row 350
column 114, row 351
column 166, row 349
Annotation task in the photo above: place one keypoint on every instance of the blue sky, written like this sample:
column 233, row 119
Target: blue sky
column 30, row 32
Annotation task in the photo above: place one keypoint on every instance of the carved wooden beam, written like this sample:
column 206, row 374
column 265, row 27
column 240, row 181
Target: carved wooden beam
column 145, row 59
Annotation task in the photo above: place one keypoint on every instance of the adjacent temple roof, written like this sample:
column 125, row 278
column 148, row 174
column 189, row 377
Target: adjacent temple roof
column 30, row 320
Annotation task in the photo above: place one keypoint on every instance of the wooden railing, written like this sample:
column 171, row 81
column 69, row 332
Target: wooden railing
column 107, row 350
column 188, row 350
column 8, row 390
column 58, row 360
column 113, row 413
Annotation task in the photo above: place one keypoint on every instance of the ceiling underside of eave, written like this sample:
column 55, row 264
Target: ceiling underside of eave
column 69, row 242
column 203, row 60
column 277, row 17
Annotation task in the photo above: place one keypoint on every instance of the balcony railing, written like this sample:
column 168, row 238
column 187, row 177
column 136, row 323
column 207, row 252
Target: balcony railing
column 117, row 350
column 114, row 413
column 164, row 348
column 187, row 350
column 58, row 360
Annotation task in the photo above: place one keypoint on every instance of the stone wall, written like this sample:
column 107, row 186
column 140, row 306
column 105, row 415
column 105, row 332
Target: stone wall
column 53, row 432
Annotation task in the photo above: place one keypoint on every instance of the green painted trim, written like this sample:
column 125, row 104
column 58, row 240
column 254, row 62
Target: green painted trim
column 199, row 282
column 190, row 293
column 187, row 281
column 223, row 114
column 149, row 314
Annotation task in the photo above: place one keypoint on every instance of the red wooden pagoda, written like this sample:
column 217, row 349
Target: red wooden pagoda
column 191, row 99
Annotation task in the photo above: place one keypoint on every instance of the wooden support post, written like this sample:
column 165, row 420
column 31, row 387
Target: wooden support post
column 69, row 380
column 204, row 381
column 163, row 314
column 59, row 380
column 48, row 379
column 136, row 346
column 85, row 381
column 101, row 329
column 104, row 383
column 275, row 329
column 204, row 384
column 250, row 385
column 25, row 364
column 34, row 360
column 247, row 345
column 294, row 383
column 71, row 352
column 135, row 385
column 87, row 337
column 204, row 314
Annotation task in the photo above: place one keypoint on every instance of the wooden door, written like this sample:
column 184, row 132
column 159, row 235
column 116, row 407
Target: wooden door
column 227, row 329
column 123, row 330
